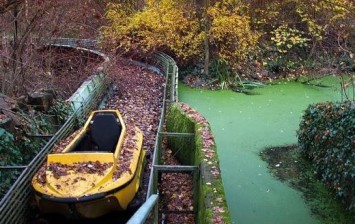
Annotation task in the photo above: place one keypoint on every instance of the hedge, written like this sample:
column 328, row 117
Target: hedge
column 327, row 137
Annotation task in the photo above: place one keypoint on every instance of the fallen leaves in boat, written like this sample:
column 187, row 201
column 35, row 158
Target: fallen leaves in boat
column 41, row 175
column 59, row 169
column 59, row 147
column 126, row 153
column 138, row 97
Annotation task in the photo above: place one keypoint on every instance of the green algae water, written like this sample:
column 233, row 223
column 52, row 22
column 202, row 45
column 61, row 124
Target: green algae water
column 243, row 126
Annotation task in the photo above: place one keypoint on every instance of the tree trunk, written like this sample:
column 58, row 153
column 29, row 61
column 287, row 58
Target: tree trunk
column 207, row 38
column 14, row 55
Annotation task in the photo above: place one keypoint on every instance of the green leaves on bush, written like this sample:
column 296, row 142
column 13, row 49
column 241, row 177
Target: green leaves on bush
column 9, row 152
column 327, row 137
column 61, row 110
column 19, row 149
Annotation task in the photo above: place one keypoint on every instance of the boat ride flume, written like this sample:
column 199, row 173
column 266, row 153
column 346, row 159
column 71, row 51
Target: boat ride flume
column 98, row 169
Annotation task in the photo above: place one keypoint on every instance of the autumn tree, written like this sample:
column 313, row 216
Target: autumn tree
column 18, row 21
column 237, row 34
column 296, row 30
column 187, row 29
column 164, row 25
column 231, row 36
column 28, row 24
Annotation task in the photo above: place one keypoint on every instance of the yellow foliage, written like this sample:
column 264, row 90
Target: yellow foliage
column 230, row 32
column 161, row 25
column 175, row 27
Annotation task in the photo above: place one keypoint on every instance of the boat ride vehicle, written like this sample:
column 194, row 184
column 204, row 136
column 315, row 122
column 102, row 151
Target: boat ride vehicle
column 98, row 171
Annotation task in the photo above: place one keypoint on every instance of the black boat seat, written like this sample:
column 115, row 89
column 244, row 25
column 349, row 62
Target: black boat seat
column 105, row 131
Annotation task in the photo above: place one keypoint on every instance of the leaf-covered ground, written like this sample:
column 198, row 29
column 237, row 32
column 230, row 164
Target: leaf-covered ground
column 139, row 97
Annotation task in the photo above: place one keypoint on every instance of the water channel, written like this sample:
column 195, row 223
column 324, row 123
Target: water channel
column 243, row 126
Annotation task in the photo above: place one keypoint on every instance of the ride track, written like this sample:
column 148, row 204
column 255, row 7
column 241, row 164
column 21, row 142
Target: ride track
column 130, row 98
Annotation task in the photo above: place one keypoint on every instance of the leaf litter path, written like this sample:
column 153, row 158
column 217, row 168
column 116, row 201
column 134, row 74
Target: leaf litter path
column 138, row 95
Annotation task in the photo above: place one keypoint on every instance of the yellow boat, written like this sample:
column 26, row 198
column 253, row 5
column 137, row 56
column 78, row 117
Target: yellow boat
column 99, row 171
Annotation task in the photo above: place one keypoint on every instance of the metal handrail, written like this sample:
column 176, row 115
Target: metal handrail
column 169, row 69
column 142, row 214
column 164, row 62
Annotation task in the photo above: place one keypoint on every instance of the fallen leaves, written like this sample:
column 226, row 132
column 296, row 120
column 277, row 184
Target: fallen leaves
column 138, row 97
column 125, row 157
column 176, row 193
column 90, row 167
column 58, row 169
column 59, row 147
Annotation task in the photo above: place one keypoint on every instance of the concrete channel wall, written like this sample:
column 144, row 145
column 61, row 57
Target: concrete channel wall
column 199, row 150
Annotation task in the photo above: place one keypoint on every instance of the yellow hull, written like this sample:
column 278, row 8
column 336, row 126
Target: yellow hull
column 88, row 184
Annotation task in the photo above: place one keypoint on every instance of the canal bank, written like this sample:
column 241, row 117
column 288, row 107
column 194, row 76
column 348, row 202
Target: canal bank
column 243, row 126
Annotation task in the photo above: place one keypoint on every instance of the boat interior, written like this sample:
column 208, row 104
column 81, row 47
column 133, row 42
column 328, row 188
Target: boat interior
column 102, row 134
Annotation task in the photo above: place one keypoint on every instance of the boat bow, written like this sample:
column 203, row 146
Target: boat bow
column 78, row 174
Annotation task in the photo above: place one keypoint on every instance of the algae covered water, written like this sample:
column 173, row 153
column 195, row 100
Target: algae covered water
column 243, row 126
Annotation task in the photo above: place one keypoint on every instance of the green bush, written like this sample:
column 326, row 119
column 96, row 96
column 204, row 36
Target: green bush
column 9, row 151
column 327, row 137
column 61, row 110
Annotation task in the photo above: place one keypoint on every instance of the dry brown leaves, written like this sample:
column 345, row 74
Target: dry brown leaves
column 58, row 169
column 60, row 146
column 41, row 175
column 208, row 142
column 90, row 167
column 57, row 148
column 138, row 97
column 176, row 193
column 125, row 159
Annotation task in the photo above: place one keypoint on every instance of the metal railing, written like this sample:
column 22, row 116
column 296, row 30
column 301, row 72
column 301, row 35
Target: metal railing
column 148, row 209
column 73, row 43
column 167, row 67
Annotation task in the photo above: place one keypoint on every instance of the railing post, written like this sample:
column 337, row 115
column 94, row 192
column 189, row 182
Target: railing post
column 172, row 74
column 195, row 192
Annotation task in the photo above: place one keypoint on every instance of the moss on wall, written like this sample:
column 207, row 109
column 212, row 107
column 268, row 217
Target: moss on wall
column 183, row 147
column 202, row 152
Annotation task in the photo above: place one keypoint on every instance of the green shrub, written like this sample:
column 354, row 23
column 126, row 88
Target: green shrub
column 9, row 155
column 9, row 152
column 327, row 137
column 61, row 110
